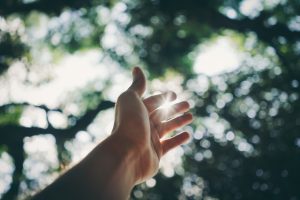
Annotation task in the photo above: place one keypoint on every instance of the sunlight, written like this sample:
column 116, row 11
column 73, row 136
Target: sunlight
column 216, row 58
column 166, row 108
column 166, row 105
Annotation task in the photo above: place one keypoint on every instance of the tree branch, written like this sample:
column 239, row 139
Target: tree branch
column 9, row 133
column 207, row 13
column 5, row 107
column 257, row 25
column 45, row 6
column 268, row 35
column 16, row 151
column 13, row 135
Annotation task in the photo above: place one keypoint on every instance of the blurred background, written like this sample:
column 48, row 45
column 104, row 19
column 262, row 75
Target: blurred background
column 63, row 64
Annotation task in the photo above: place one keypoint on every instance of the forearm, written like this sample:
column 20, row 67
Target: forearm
column 106, row 173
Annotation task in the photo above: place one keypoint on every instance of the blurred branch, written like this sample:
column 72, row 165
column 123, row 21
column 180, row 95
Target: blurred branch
column 88, row 117
column 63, row 155
column 257, row 25
column 206, row 13
column 268, row 34
column 16, row 151
column 45, row 6
column 12, row 136
column 10, row 133
column 5, row 107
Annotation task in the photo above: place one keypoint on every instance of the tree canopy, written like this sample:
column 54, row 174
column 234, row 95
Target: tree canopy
column 246, row 140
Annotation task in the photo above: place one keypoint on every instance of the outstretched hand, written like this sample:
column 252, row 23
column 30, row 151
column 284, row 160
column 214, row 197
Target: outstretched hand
column 142, row 124
column 131, row 154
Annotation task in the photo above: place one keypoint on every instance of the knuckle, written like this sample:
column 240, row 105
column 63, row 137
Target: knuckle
column 121, row 97
column 125, row 95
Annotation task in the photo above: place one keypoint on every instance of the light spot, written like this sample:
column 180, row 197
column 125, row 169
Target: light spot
column 230, row 136
column 151, row 182
column 217, row 58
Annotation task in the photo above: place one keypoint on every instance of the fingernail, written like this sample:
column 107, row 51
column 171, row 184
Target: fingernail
column 189, row 116
column 135, row 71
column 172, row 95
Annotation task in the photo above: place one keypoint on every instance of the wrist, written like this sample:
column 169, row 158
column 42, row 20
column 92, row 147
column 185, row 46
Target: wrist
column 127, row 152
column 109, row 169
column 143, row 162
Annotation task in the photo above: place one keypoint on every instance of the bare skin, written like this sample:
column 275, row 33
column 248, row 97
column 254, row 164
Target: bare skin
column 131, row 154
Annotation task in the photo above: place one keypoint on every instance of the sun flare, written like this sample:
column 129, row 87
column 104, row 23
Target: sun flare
column 166, row 106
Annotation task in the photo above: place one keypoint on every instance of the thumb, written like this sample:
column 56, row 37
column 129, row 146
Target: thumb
column 139, row 81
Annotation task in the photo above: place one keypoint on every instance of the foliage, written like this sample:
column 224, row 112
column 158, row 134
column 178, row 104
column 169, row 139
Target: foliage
column 246, row 134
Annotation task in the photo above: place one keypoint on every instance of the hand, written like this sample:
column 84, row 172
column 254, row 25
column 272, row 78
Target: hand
column 141, row 125
column 131, row 154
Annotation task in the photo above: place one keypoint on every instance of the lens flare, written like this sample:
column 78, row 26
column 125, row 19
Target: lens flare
column 166, row 109
column 166, row 105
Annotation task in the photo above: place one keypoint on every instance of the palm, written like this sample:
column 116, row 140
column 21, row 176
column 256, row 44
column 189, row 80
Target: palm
column 144, row 123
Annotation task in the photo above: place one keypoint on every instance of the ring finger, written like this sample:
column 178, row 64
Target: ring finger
column 174, row 124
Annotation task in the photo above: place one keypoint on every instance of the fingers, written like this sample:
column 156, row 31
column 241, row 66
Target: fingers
column 153, row 102
column 174, row 124
column 139, row 81
column 173, row 142
column 164, row 114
